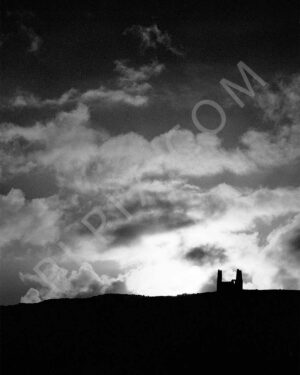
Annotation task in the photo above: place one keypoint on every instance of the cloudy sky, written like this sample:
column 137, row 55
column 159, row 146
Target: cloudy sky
column 143, row 147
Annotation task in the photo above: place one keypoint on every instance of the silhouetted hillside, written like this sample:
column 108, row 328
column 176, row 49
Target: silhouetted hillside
column 120, row 334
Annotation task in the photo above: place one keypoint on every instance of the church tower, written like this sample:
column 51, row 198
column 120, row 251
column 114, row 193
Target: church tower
column 239, row 280
column 230, row 287
column 219, row 280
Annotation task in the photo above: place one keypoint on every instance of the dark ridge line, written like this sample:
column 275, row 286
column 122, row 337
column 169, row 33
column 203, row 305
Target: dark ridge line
column 116, row 296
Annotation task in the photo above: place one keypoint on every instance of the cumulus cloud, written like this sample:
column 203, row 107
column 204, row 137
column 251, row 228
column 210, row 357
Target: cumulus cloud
column 61, row 143
column 26, row 99
column 34, row 222
column 281, row 101
column 165, row 231
column 87, row 159
column 32, row 296
column 280, row 104
column 117, row 161
column 284, row 248
column 131, row 87
column 152, row 37
column 57, row 282
column 130, row 76
column 224, row 230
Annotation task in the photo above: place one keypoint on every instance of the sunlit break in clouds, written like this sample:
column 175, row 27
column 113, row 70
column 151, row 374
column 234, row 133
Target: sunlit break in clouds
column 145, row 153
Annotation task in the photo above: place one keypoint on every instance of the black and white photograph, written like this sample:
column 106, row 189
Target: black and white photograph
column 149, row 187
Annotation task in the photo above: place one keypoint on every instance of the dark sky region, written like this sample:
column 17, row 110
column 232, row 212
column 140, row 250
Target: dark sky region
column 108, row 186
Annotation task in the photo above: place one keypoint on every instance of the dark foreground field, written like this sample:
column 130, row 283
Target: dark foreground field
column 257, row 331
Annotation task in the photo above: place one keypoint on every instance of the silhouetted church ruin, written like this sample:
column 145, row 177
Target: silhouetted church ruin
column 232, row 286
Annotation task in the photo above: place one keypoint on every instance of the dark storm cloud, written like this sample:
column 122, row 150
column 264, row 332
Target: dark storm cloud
column 294, row 243
column 161, row 222
column 149, row 212
column 117, row 287
column 291, row 243
column 286, row 241
column 206, row 254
